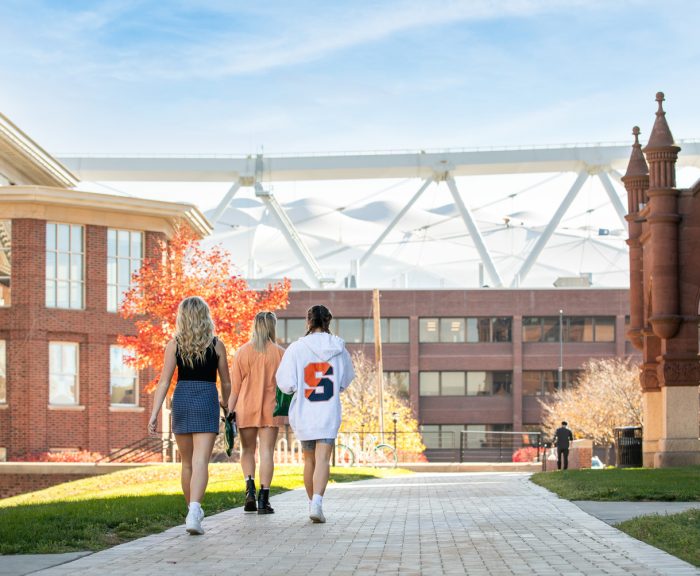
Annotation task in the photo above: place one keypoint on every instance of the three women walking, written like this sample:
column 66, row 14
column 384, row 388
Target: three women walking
column 315, row 370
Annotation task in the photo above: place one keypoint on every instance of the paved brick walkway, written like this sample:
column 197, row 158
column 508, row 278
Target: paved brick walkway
column 422, row 524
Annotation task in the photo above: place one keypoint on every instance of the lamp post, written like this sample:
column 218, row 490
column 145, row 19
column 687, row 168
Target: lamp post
column 395, row 418
column 561, row 349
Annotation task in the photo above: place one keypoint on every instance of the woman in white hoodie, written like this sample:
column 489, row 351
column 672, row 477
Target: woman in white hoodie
column 316, row 369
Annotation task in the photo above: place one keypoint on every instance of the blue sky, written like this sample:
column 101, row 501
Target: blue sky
column 216, row 76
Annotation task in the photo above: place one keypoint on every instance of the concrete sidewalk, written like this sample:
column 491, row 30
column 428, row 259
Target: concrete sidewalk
column 476, row 524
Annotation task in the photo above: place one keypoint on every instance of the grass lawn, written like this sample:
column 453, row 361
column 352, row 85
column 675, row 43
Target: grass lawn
column 677, row 534
column 102, row 511
column 624, row 484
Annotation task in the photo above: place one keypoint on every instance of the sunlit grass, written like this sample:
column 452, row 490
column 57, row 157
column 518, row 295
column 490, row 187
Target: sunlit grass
column 677, row 534
column 625, row 484
column 98, row 512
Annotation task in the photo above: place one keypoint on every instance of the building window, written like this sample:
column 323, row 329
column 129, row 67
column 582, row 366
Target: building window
column 471, row 383
column 64, row 266
column 429, row 384
column 473, row 330
column 63, row 373
column 352, row 330
column 573, row 329
column 428, row 330
column 451, row 329
column 3, row 373
column 545, row 382
column 123, row 380
column 124, row 254
column 399, row 381
column 5, row 261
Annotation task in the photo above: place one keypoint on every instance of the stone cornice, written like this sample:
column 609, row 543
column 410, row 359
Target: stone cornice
column 43, row 202
column 23, row 161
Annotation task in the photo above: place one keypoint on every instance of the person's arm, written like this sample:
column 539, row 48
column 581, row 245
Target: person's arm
column 286, row 375
column 348, row 371
column 224, row 375
column 236, row 381
column 169, row 364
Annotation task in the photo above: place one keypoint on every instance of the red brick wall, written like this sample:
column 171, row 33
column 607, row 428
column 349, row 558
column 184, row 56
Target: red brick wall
column 19, row 478
column 28, row 425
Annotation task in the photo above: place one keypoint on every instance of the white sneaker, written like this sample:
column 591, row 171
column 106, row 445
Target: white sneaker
column 193, row 522
column 316, row 513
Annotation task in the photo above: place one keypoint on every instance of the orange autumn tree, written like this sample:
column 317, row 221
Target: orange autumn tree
column 180, row 268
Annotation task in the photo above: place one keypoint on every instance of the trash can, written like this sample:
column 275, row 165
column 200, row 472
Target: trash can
column 628, row 447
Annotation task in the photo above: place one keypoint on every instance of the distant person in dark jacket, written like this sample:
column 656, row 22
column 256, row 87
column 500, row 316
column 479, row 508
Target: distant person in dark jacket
column 562, row 439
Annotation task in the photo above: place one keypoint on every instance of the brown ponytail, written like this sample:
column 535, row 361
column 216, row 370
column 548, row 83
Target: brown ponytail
column 318, row 317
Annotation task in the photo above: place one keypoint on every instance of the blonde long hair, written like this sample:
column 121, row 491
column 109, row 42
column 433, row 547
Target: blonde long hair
column 264, row 330
column 194, row 330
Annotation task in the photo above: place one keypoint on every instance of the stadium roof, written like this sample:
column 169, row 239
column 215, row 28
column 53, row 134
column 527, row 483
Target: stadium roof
column 521, row 217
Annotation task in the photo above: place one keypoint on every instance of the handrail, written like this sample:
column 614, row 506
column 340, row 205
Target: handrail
column 140, row 450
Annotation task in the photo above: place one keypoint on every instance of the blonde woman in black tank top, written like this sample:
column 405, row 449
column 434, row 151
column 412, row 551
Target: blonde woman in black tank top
column 199, row 356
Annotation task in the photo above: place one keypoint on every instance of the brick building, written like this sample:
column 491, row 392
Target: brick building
column 66, row 256
column 475, row 360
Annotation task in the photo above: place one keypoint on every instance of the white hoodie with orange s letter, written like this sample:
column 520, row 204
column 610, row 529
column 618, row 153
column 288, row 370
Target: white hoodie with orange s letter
column 316, row 369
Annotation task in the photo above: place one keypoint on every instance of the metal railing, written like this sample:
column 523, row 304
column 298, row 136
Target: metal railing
column 492, row 446
column 149, row 449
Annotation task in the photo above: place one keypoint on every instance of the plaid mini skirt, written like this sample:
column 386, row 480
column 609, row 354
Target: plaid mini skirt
column 195, row 407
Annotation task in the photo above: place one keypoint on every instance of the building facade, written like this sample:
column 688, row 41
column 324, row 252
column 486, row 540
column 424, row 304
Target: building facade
column 475, row 360
column 664, row 233
column 66, row 258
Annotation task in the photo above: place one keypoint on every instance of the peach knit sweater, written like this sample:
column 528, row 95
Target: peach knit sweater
column 254, row 383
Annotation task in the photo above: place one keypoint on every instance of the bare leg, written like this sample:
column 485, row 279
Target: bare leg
column 203, row 444
column 266, row 453
column 309, row 466
column 249, row 437
column 322, row 469
column 184, row 446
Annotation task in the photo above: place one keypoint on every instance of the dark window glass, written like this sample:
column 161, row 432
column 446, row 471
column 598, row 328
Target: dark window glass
column 532, row 329
column 550, row 329
column 501, row 383
column 501, row 329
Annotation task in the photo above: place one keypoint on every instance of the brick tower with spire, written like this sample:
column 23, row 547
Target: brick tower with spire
column 664, row 241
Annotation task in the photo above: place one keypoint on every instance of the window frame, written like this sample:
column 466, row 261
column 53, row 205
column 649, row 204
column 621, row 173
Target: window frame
column 3, row 371
column 54, row 279
column 117, row 258
column 112, row 375
column 76, row 386
column 7, row 225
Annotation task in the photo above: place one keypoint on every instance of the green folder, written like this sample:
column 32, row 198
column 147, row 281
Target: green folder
column 282, row 402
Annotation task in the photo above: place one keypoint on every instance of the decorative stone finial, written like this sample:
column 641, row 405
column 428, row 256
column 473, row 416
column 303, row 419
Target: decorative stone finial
column 637, row 165
column 661, row 136
column 660, row 98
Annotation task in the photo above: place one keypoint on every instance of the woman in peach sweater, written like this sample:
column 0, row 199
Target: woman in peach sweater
column 253, row 400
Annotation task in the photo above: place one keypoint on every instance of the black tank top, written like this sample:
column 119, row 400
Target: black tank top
column 202, row 371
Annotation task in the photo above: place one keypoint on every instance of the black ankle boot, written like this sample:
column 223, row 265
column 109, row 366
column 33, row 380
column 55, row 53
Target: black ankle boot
column 264, row 502
column 250, row 495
